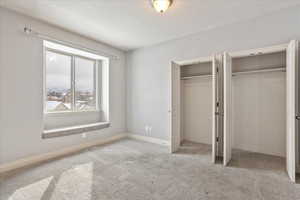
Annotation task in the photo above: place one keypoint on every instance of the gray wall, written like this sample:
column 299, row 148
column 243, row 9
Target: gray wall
column 148, row 72
column 21, row 89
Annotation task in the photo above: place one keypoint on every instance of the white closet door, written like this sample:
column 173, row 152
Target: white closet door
column 291, row 70
column 214, row 110
column 297, row 107
column 175, row 110
column 227, row 62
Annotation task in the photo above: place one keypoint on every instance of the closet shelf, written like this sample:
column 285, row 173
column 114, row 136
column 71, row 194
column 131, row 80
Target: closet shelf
column 277, row 69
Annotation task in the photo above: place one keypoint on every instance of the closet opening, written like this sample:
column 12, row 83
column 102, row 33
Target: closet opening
column 196, row 108
column 259, row 110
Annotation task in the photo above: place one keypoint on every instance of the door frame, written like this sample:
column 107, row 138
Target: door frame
column 174, row 111
column 171, row 100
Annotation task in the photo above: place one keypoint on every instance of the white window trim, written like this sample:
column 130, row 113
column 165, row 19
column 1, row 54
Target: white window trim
column 103, row 96
column 73, row 57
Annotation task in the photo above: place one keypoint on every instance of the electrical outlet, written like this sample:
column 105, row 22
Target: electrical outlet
column 83, row 135
column 146, row 130
column 149, row 130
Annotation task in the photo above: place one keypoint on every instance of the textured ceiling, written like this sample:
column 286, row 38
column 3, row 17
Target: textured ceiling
column 130, row 24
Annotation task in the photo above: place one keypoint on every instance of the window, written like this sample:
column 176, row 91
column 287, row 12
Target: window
column 71, row 81
column 76, row 91
column 58, row 82
column 85, row 88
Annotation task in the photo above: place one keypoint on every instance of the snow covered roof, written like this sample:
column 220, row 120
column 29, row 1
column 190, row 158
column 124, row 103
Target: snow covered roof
column 57, row 106
column 51, row 105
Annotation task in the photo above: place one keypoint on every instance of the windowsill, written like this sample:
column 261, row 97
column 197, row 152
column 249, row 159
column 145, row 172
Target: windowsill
column 70, row 112
column 59, row 132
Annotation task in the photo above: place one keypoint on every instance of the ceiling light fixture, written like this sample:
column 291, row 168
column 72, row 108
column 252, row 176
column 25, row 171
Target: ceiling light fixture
column 161, row 5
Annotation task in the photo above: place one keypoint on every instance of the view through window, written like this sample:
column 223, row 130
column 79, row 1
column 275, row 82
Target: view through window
column 70, row 82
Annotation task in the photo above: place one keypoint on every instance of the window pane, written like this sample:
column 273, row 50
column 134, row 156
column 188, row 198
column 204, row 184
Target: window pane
column 84, row 85
column 58, row 82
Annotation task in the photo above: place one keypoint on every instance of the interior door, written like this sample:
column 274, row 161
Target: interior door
column 227, row 119
column 292, row 102
column 214, row 110
column 175, row 110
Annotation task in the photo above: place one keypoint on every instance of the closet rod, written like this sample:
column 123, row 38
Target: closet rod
column 32, row 32
column 282, row 69
column 197, row 76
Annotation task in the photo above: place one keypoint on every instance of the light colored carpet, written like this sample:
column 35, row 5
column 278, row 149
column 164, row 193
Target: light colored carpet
column 134, row 170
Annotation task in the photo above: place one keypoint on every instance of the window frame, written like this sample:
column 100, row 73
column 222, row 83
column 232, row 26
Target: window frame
column 73, row 109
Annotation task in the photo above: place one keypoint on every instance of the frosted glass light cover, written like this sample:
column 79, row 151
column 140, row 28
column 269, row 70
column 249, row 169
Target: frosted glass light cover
column 161, row 5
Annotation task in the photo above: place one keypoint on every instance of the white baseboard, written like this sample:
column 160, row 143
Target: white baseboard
column 44, row 157
column 149, row 139
column 73, row 149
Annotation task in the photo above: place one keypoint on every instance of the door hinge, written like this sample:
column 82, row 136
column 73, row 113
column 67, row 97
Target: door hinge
column 298, row 117
column 217, row 69
column 217, row 139
column 217, row 104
